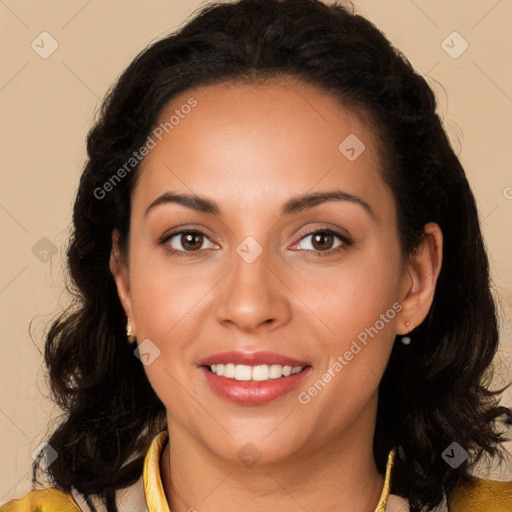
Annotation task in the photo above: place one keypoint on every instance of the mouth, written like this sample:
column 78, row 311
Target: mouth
column 258, row 373
column 253, row 378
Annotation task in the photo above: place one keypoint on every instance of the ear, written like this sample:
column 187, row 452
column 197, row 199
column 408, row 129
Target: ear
column 420, row 278
column 119, row 269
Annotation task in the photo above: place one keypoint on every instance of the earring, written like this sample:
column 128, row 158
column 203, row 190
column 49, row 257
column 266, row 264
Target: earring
column 129, row 331
column 406, row 340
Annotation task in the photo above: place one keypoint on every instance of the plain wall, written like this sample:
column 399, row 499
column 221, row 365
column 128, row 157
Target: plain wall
column 48, row 104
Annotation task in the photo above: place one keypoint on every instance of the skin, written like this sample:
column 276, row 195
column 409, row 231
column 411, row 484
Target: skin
column 250, row 148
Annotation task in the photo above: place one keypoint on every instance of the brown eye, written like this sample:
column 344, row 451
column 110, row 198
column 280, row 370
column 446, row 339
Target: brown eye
column 323, row 241
column 187, row 241
column 192, row 241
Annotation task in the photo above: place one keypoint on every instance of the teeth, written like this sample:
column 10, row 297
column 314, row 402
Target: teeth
column 229, row 370
column 243, row 372
column 260, row 372
column 276, row 371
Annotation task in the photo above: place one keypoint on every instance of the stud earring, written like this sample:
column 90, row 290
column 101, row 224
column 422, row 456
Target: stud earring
column 406, row 340
column 129, row 330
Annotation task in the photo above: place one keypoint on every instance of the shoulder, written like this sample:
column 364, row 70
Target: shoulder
column 42, row 500
column 129, row 499
column 479, row 495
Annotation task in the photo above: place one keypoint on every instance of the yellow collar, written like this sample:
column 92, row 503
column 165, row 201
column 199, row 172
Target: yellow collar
column 154, row 489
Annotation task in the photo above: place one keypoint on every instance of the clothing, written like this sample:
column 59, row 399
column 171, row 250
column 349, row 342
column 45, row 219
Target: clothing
column 148, row 495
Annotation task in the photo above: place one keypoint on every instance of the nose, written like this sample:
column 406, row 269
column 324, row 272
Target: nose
column 253, row 296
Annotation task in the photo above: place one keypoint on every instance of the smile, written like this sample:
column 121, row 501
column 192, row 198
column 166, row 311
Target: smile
column 259, row 373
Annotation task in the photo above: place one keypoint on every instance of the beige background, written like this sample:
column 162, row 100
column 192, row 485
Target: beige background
column 47, row 106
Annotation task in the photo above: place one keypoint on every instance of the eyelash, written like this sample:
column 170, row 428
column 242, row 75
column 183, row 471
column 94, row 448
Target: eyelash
column 346, row 242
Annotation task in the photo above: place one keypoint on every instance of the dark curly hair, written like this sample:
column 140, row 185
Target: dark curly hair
column 433, row 392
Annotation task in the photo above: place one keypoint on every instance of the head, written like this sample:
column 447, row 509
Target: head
column 250, row 106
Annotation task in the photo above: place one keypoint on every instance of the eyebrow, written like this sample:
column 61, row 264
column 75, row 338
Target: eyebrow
column 294, row 205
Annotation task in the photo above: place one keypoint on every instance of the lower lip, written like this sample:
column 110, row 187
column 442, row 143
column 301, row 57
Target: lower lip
column 254, row 392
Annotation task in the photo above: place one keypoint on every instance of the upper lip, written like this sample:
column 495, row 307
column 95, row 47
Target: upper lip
column 250, row 359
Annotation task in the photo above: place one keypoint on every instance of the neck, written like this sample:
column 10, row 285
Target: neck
column 339, row 475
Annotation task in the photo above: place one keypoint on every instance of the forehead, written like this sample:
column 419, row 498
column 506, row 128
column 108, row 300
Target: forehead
column 260, row 142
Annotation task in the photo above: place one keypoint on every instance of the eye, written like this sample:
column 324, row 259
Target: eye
column 187, row 241
column 323, row 241
column 193, row 241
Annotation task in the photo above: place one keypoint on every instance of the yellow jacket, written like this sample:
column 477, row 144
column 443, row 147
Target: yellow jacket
column 147, row 494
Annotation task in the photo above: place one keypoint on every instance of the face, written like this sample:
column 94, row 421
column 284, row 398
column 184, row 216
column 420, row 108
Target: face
column 253, row 277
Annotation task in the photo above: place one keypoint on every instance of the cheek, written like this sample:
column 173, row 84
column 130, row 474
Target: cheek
column 357, row 304
column 166, row 297
column 357, row 309
column 352, row 295
column 167, row 300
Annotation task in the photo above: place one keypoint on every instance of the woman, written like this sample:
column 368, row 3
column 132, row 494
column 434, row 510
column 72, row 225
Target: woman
column 267, row 214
